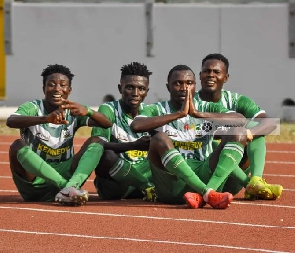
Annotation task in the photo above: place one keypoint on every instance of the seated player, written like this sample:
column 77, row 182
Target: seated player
column 43, row 164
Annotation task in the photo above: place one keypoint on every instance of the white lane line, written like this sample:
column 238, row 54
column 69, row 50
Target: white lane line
column 280, row 162
column 268, row 151
column 280, row 151
column 277, row 175
column 272, row 162
column 150, row 217
column 140, row 240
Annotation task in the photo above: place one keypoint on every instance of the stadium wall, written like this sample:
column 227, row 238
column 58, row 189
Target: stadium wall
column 95, row 40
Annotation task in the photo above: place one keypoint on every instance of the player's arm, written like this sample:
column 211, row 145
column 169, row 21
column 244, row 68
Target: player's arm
column 259, row 122
column 95, row 118
column 26, row 116
column 150, row 120
column 263, row 125
column 219, row 114
column 140, row 144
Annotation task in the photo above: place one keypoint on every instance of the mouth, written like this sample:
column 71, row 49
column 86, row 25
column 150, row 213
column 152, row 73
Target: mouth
column 210, row 83
column 57, row 97
column 133, row 101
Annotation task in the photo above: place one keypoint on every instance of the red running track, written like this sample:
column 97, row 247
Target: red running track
column 137, row 226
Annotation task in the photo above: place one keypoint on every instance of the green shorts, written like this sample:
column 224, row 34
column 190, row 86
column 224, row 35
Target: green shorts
column 39, row 190
column 109, row 189
column 170, row 189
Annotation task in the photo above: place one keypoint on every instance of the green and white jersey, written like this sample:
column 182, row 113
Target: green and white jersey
column 53, row 143
column 120, row 131
column 190, row 136
column 238, row 103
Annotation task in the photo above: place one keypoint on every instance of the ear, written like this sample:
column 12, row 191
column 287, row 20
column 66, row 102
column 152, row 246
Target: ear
column 70, row 89
column 200, row 75
column 43, row 88
column 167, row 86
column 120, row 88
column 226, row 78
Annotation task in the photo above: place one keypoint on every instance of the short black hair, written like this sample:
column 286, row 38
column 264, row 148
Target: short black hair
column 135, row 69
column 178, row 68
column 219, row 57
column 57, row 68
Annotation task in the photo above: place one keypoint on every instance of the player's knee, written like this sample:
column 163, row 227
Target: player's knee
column 107, row 161
column 238, row 134
column 16, row 146
column 160, row 140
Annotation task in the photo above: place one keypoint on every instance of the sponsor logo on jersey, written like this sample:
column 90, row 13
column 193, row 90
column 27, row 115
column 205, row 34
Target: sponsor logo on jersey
column 67, row 134
column 190, row 145
column 171, row 133
column 121, row 137
column 51, row 151
column 203, row 129
column 42, row 137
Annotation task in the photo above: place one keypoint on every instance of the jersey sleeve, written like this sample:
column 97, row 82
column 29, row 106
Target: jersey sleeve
column 27, row 109
column 149, row 111
column 104, row 133
column 248, row 107
column 217, row 108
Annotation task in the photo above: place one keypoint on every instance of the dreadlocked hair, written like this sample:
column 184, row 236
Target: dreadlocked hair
column 56, row 68
column 135, row 69
column 178, row 68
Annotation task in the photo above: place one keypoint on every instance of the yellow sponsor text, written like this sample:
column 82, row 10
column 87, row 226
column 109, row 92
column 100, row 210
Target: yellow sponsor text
column 189, row 145
column 51, row 151
column 136, row 154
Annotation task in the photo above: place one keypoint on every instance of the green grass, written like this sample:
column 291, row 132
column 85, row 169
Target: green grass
column 286, row 133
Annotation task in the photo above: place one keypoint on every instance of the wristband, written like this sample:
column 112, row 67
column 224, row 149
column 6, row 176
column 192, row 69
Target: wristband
column 249, row 135
column 89, row 111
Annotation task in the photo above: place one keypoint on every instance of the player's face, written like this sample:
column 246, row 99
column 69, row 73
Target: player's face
column 178, row 83
column 213, row 75
column 56, row 87
column 133, row 89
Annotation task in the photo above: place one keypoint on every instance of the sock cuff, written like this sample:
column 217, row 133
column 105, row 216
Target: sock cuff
column 170, row 154
column 234, row 146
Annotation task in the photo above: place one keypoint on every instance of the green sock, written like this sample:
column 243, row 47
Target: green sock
column 124, row 172
column 174, row 163
column 35, row 165
column 229, row 160
column 256, row 151
column 86, row 165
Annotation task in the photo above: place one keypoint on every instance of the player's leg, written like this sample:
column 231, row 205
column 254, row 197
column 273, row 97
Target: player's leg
column 226, row 158
column 27, row 164
column 122, row 171
column 173, row 176
column 81, row 167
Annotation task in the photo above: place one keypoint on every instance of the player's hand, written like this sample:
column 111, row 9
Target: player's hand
column 143, row 143
column 57, row 117
column 75, row 108
column 185, row 105
column 192, row 108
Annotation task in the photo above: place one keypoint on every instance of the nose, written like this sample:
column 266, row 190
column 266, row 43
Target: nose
column 210, row 72
column 57, row 87
column 135, row 92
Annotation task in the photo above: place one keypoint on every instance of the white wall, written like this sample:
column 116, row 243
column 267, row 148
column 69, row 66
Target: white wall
column 95, row 40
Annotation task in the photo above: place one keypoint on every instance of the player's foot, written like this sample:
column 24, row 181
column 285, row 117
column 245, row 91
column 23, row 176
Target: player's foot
column 150, row 194
column 194, row 200
column 72, row 196
column 257, row 188
column 219, row 200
